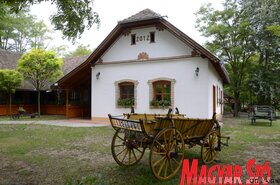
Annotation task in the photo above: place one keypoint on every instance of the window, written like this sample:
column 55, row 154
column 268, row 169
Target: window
column 133, row 39
column 162, row 90
column 126, row 93
column 162, row 93
column 152, row 36
column 126, row 90
column 74, row 98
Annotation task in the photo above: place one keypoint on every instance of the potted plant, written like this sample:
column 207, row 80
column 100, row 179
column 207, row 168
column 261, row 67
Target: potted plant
column 160, row 103
column 127, row 102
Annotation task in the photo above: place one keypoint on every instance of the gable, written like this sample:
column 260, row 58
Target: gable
column 165, row 45
column 116, row 47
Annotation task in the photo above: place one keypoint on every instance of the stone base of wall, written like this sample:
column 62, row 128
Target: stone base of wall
column 103, row 120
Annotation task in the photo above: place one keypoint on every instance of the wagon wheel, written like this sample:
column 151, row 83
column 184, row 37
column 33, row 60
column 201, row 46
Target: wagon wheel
column 167, row 153
column 126, row 152
column 209, row 147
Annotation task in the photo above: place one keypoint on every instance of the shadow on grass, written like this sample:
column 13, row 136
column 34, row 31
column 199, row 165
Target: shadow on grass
column 262, row 123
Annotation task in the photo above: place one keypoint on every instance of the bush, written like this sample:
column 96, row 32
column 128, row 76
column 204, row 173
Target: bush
column 227, row 108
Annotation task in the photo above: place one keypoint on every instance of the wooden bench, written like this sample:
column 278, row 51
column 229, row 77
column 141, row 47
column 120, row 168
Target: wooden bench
column 262, row 112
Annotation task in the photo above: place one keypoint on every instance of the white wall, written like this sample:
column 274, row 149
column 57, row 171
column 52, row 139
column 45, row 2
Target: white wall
column 213, row 80
column 166, row 45
column 190, row 91
column 192, row 94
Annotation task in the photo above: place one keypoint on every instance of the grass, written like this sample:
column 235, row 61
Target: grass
column 40, row 154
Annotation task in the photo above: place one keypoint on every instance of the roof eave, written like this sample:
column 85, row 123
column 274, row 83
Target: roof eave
column 122, row 25
column 194, row 45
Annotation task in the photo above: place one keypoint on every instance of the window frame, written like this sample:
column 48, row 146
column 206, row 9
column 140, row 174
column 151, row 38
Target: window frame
column 118, row 93
column 126, row 84
column 151, row 91
column 162, row 93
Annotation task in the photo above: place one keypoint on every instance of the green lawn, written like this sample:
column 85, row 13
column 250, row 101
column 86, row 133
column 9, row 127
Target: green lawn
column 39, row 154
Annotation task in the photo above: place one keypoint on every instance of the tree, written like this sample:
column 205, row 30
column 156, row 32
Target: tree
column 38, row 35
column 41, row 68
column 230, row 33
column 264, row 21
column 21, row 32
column 80, row 50
column 72, row 16
column 61, row 51
column 9, row 81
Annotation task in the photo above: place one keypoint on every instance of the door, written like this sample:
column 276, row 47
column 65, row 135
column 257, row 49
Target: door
column 214, row 99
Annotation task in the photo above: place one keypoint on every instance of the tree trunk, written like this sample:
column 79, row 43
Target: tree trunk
column 10, row 104
column 235, row 111
column 39, row 104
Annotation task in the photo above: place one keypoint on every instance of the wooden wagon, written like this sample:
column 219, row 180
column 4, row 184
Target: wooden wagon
column 165, row 136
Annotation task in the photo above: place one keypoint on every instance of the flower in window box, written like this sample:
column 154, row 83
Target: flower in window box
column 127, row 102
column 160, row 103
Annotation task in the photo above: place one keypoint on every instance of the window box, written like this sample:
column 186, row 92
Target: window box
column 160, row 104
column 126, row 103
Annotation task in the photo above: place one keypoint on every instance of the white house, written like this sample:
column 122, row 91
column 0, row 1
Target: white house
column 150, row 63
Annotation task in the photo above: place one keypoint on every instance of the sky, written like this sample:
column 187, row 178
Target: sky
column 180, row 13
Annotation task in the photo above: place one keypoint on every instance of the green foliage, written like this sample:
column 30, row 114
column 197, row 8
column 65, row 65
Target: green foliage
column 264, row 21
column 227, row 109
column 265, row 84
column 160, row 103
column 263, row 16
column 20, row 32
column 231, row 39
column 61, row 51
column 72, row 16
column 38, row 35
column 9, row 80
column 80, row 50
column 126, row 102
column 40, row 67
column 274, row 29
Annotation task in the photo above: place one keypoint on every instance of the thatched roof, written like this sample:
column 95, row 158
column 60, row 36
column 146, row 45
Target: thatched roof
column 8, row 60
column 140, row 16
column 70, row 63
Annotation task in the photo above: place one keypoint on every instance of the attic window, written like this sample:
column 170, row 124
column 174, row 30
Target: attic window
column 133, row 39
column 152, row 36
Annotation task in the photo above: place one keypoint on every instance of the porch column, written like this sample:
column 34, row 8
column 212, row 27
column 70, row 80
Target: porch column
column 82, row 102
column 67, row 103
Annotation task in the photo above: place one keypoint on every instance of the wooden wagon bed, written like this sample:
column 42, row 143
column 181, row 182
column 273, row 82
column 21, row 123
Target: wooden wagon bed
column 165, row 135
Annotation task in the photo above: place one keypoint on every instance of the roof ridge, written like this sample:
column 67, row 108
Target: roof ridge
column 145, row 14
